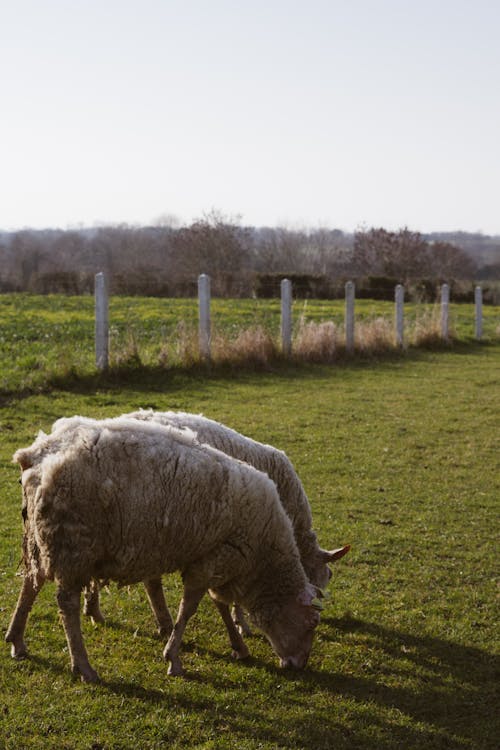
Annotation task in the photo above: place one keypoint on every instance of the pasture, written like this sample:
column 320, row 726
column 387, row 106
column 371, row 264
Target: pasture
column 48, row 339
column 399, row 457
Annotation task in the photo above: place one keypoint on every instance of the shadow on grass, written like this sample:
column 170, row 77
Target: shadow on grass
column 425, row 693
column 431, row 694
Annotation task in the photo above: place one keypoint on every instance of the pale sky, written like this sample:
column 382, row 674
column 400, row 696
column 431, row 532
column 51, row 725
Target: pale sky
column 338, row 113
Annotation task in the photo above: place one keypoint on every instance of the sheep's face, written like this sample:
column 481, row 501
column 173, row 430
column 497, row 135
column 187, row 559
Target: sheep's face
column 291, row 631
column 317, row 570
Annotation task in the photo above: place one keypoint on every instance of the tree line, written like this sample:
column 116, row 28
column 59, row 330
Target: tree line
column 242, row 261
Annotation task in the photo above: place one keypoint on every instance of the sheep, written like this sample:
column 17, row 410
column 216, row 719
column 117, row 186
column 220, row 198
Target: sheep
column 291, row 492
column 263, row 457
column 62, row 437
column 130, row 500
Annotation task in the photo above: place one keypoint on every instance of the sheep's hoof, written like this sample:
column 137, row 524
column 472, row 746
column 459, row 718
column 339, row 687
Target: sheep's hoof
column 87, row 674
column 18, row 648
column 95, row 615
column 175, row 670
column 18, row 652
column 241, row 653
column 175, row 666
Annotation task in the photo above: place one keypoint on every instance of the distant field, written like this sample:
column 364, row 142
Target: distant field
column 399, row 458
column 47, row 337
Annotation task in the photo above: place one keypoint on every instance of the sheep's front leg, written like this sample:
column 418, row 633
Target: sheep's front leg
column 156, row 598
column 91, row 605
column 240, row 650
column 69, row 607
column 15, row 633
column 240, row 621
column 187, row 608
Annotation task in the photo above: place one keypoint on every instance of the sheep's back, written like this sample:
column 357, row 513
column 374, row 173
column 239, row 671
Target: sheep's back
column 133, row 504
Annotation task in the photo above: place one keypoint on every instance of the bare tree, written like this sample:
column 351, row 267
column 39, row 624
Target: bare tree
column 402, row 255
column 216, row 246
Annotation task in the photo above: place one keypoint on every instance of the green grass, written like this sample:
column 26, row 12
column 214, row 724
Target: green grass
column 46, row 338
column 399, row 457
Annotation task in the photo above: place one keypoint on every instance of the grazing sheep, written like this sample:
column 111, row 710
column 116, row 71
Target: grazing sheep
column 279, row 468
column 263, row 457
column 129, row 500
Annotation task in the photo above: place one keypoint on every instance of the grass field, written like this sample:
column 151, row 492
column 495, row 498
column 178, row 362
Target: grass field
column 399, row 457
column 46, row 338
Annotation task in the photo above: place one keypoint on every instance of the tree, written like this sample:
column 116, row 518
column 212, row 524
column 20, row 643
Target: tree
column 402, row 255
column 215, row 246
column 450, row 262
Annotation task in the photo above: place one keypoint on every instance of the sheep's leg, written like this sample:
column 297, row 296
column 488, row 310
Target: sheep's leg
column 240, row 621
column 187, row 608
column 15, row 633
column 91, row 606
column 156, row 598
column 240, row 650
column 69, row 607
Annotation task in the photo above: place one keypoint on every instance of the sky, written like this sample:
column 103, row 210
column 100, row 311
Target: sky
column 345, row 114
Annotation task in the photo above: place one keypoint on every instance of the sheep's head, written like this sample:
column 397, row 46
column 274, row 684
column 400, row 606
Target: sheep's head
column 291, row 630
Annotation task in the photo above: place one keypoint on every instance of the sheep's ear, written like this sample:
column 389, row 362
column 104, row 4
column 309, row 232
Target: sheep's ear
column 23, row 458
column 335, row 554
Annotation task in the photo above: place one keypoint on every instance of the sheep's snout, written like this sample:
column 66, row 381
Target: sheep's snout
column 294, row 662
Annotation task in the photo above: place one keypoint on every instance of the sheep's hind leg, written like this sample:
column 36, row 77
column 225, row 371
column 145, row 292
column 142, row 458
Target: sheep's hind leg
column 156, row 598
column 69, row 607
column 91, row 605
column 240, row 650
column 15, row 633
column 187, row 608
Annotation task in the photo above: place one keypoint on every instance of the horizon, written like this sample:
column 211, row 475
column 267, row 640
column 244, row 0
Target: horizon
column 332, row 115
column 298, row 229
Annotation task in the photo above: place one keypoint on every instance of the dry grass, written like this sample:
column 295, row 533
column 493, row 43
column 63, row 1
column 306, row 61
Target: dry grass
column 374, row 336
column 426, row 331
column 322, row 342
column 187, row 345
column 317, row 342
column 253, row 346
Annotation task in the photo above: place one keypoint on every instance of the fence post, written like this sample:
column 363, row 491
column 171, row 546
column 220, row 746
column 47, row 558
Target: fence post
column 400, row 298
column 101, row 322
column 349, row 316
column 445, row 301
column 286, row 317
column 478, row 297
column 204, row 315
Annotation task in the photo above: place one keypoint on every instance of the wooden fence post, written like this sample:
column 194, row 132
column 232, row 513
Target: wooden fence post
column 101, row 322
column 286, row 317
column 400, row 298
column 349, row 316
column 478, row 298
column 445, row 301
column 204, row 315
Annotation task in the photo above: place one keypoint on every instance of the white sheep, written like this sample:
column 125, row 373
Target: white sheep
column 129, row 500
column 264, row 457
column 276, row 464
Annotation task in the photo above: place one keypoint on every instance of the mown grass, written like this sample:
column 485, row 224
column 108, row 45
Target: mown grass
column 399, row 457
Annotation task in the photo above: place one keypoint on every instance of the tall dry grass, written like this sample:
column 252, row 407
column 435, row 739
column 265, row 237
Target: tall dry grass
column 374, row 336
column 317, row 342
column 322, row 342
column 254, row 346
column 426, row 331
